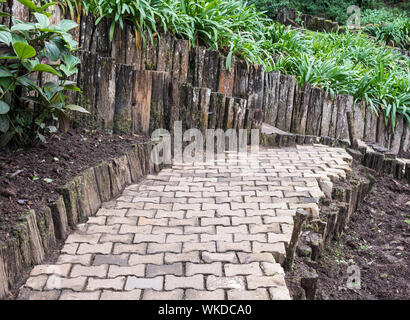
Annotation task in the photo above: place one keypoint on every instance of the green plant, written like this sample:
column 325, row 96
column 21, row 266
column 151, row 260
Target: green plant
column 29, row 107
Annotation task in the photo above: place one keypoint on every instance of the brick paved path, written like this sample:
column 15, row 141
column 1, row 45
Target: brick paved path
column 204, row 231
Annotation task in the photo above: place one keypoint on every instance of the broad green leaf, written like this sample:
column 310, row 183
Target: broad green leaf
column 51, row 51
column 5, row 37
column 4, row 107
column 28, row 4
column 67, row 25
column 5, row 73
column 4, row 14
column 22, row 27
column 4, row 124
column 24, row 51
column 46, row 68
column 42, row 19
column 74, row 107
column 18, row 38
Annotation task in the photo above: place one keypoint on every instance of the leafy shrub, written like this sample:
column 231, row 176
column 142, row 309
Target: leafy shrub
column 28, row 107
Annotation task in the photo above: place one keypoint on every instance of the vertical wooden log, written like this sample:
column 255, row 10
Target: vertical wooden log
column 105, row 92
column 271, row 97
column 301, row 112
column 226, row 76
column 197, row 58
column 333, row 117
column 87, row 32
column 314, row 118
column 172, row 108
column 202, row 98
column 101, row 40
column 383, row 135
column 119, row 44
column 159, row 100
column 180, row 61
column 229, row 113
column 240, row 107
column 283, row 96
column 359, row 118
column 210, row 70
column 240, row 88
column 352, row 130
column 216, row 110
column 124, row 81
column 326, row 115
column 298, row 221
column 19, row 11
column 4, row 286
column 405, row 138
column 186, row 105
column 255, row 87
column 290, row 102
column 345, row 104
column 149, row 57
column 370, row 128
column 309, row 284
column 133, row 53
column 396, row 138
column 165, row 51
column 142, row 102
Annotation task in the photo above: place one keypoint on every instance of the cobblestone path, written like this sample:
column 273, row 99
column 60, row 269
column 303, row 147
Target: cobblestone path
column 203, row 231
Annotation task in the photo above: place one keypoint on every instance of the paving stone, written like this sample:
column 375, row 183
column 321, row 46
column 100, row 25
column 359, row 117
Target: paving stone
column 242, row 269
column 214, row 268
column 164, row 247
column 57, row 282
column 83, row 238
column 209, row 257
column 224, row 246
column 96, row 284
column 130, row 248
column 158, row 238
column 28, row 294
column 156, row 270
column 70, row 248
column 199, row 230
column 258, row 294
column 60, row 270
column 118, row 238
column 157, row 258
column 103, row 248
column 216, row 237
column 271, row 269
column 84, row 259
column 194, row 282
column 167, row 230
column 150, row 294
column 93, row 271
column 255, row 282
column 279, row 293
column 137, row 270
column 116, row 259
column 182, row 257
column 203, row 246
column 156, row 283
column 192, row 294
column 132, row 221
column 121, row 295
column 37, row 282
column 255, row 257
column 71, row 295
column 213, row 283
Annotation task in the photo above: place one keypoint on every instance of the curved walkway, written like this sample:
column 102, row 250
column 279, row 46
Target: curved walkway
column 195, row 231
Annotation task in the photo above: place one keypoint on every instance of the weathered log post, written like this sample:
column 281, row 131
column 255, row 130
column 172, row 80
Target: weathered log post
column 298, row 221
column 123, row 98
column 309, row 284
column 352, row 130
column 4, row 286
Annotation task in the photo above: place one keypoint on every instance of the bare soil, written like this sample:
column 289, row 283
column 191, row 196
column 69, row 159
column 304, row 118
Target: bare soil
column 376, row 240
column 29, row 177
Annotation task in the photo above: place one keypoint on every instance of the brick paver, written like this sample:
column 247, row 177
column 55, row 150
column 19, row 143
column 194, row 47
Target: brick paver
column 195, row 231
